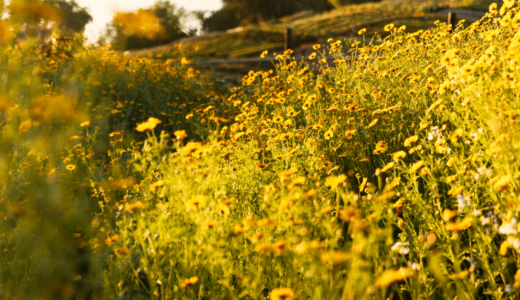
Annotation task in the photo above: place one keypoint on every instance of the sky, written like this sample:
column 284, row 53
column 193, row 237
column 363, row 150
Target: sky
column 103, row 10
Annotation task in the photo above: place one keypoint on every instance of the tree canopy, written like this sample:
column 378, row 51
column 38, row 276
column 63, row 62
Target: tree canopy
column 41, row 17
column 240, row 12
column 159, row 24
column 254, row 11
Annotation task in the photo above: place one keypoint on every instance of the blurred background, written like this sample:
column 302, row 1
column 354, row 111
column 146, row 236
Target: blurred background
column 224, row 29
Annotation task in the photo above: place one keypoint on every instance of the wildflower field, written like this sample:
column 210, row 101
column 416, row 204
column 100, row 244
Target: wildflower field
column 390, row 173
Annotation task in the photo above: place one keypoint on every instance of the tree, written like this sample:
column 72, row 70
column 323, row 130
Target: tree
column 221, row 20
column 153, row 26
column 42, row 17
column 73, row 17
column 255, row 11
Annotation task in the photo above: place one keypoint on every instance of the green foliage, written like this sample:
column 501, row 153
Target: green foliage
column 42, row 17
column 255, row 11
column 73, row 17
column 169, row 17
column 221, row 20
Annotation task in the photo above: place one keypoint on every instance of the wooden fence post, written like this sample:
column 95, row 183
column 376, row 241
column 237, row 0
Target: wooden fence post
column 288, row 38
column 452, row 19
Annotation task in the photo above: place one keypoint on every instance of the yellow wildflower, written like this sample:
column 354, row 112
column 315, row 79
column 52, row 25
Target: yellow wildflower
column 363, row 184
column 334, row 181
column 180, row 134
column 388, row 167
column 189, row 281
column 137, row 205
column 389, row 27
column 148, row 125
column 282, row 294
column 399, row 155
column 409, row 141
column 459, row 226
column 390, row 276
column 416, row 166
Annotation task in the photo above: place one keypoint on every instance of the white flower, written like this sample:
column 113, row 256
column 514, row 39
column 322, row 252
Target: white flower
column 515, row 242
column 415, row 266
column 401, row 247
column 508, row 227
column 463, row 201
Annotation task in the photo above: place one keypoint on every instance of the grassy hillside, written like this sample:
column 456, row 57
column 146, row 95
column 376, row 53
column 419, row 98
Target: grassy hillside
column 317, row 28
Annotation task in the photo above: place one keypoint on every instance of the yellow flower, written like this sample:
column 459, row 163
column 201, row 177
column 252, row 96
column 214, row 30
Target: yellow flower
column 350, row 133
column 393, row 184
column 416, row 166
column 137, row 205
column 262, row 166
column 509, row 3
column 363, row 184
column 456, row 135
column 388, row 167
column 504, row 247
column 329, row 134
column 264, row 54
column 194, row 149
column 384, row 197
column 409, row 141
column 448, row 214
column 401, row 29
column 180, row 134
column 70, row 167
column 298, row 181
column 502, row 183
column 391, row 276
column 362, row 31
column 381, row 147
column 285, row 136
column 374, row 122
column 189, row 281
column 399, row 155
column 25, row 125
column 284, row 175
column 85, row 124
column 415, row 149
column 197, row 201
column 334, row 181
column 459, row 226
column 121, row 252
column 148, row 125
column 389, row 27
column 282, row 294
column 155, row 185
column 313, row 55
column 452, row 161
